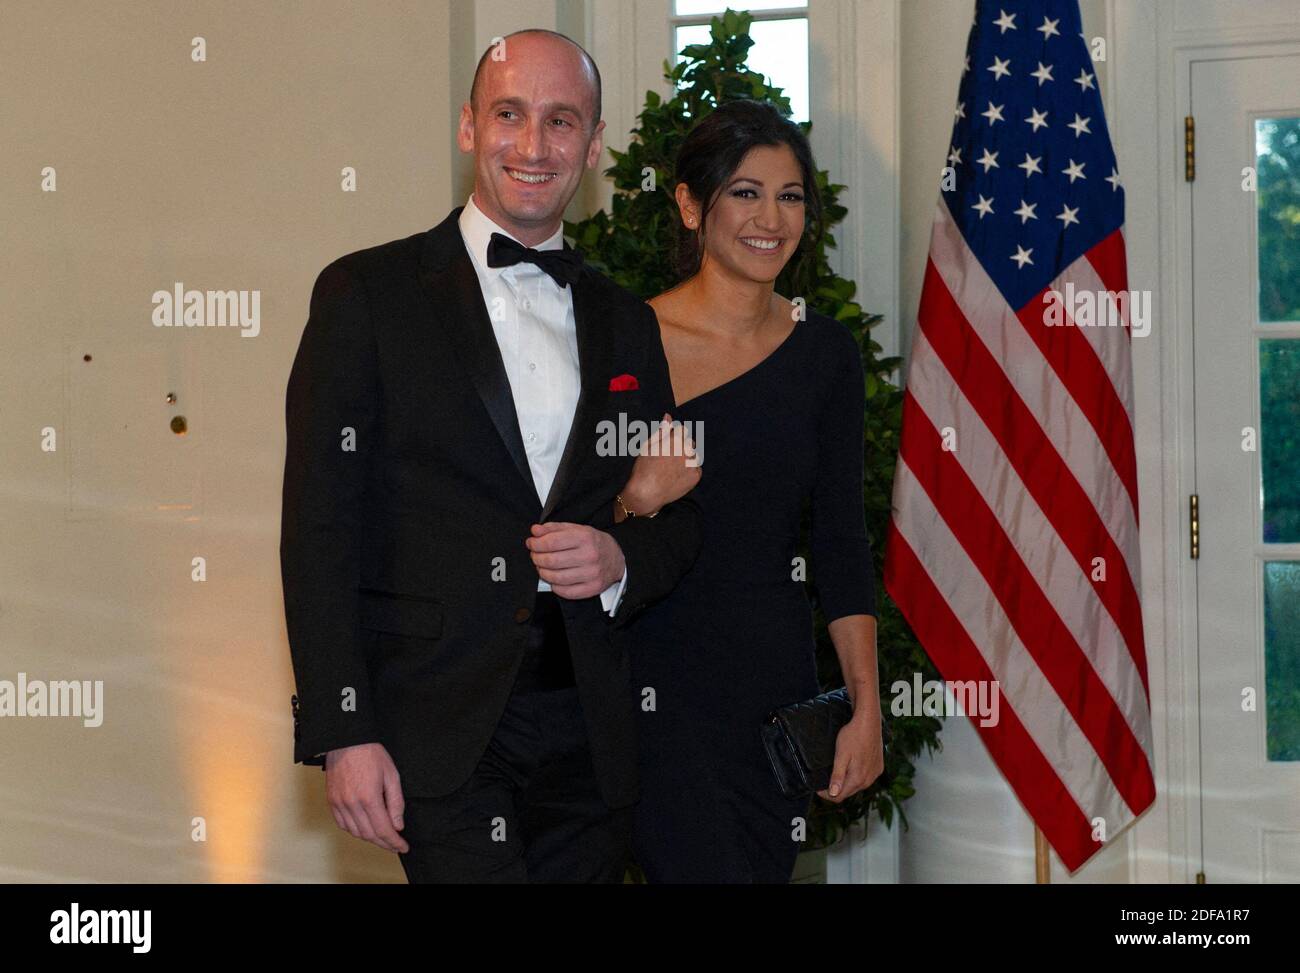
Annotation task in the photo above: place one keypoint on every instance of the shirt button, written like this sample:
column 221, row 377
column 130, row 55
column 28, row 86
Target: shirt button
column 522, row 615
column 532, row 436
column 527, row 304
column 532, row 366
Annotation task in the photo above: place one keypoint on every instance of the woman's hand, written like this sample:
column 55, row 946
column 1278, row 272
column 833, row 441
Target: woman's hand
column 662, row 473
column 859, row 755
column 859, row 749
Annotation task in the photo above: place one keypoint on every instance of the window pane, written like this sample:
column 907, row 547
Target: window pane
column 1282, row 659
column 780, row 51
column 689, row 7
column 1277, row 163
column 1279, row 438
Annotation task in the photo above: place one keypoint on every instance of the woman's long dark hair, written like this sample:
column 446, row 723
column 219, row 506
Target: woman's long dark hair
column 712, row 152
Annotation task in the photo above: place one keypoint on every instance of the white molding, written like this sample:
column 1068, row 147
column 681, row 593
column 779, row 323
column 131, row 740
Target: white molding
column 854, row 99
column 854, row 103
column 621, row 37
column 1233, row 37
column 496, row 18
column 870, row 860
column 1178, row 373
column 854, row 86
column 1166, row 844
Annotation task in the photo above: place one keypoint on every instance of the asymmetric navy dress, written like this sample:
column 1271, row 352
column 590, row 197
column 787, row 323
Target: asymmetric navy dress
column 734, row 640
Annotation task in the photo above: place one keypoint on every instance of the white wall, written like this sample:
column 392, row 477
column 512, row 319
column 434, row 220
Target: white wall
column 224, row 174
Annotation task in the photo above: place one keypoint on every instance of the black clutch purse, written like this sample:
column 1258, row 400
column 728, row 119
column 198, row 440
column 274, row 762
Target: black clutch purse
column 800, row 741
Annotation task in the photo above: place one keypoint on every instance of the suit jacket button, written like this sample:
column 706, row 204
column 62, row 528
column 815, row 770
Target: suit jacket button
column 522, row 615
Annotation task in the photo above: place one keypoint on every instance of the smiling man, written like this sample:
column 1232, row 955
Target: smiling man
column 452, row 569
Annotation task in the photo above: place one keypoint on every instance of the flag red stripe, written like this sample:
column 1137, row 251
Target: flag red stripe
column 1083, row 375
column 1109, row 260
column 1030, row 775
column 1044, row 635
column 1062, row 500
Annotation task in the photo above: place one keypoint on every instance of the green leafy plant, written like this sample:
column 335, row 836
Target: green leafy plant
column 632, row 244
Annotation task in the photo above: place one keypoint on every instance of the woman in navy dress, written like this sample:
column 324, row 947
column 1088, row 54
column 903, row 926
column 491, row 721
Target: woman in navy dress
column 780, row 401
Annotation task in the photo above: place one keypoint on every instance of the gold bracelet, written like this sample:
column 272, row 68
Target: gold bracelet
column 618, row 499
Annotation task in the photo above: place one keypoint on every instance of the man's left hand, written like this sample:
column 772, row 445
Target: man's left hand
column 576, row 560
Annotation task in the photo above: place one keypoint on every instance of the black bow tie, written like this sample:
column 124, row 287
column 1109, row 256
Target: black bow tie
column 563, row 265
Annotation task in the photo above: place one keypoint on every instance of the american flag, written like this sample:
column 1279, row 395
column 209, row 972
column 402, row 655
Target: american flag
column 1013, row 547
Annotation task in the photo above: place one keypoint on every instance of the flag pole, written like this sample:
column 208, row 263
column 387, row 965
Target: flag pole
column 1042, row 860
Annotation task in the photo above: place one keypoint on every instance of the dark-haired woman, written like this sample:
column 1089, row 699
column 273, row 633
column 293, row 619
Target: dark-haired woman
column 780, row 396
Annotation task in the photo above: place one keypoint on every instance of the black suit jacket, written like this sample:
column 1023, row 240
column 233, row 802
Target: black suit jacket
column 407, row 492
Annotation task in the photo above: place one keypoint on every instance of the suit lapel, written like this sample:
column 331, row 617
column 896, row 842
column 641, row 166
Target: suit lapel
column 590, row 318
column 453, row 287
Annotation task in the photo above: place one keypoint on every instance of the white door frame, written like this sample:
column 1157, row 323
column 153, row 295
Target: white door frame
column 1153, row 56
column 1229, row 96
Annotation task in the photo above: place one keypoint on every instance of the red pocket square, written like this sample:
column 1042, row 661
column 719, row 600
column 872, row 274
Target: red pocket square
column 623, row 383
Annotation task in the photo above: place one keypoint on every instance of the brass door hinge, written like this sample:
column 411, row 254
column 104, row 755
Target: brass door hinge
column 1200, row 878
column 1189, row 148
column 1195, row 508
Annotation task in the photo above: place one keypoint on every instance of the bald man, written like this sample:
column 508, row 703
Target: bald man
column 453, row 573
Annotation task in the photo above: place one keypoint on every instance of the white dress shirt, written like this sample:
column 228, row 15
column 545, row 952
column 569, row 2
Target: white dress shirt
column 532, row 318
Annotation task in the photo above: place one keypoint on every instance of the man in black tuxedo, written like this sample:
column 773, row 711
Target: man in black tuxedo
column 452, row 566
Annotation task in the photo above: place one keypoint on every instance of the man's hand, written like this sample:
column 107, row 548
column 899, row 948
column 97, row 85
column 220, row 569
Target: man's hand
column 365, row 796
column 576, row 560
